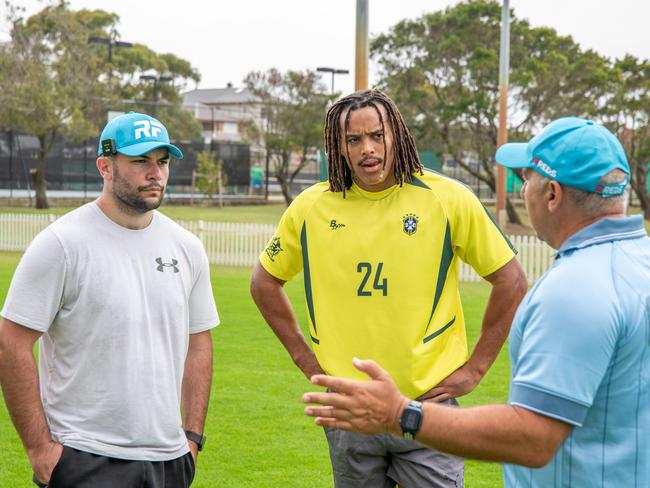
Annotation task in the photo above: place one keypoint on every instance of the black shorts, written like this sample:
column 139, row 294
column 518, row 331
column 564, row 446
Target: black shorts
column 79, row 469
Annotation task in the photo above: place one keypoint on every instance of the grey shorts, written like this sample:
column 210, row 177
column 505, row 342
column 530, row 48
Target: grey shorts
column 381, row 461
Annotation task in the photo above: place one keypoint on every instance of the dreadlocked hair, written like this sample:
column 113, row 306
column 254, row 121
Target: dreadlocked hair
column 405, row 155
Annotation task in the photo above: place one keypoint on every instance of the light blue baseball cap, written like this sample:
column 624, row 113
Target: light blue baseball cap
column 135, row 134
column 574, row 151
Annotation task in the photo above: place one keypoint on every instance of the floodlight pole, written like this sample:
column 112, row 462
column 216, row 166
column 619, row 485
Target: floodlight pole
column 110, row 43
column 156, row 80
column 361, row 57
column 502, row 134
column 334, row 72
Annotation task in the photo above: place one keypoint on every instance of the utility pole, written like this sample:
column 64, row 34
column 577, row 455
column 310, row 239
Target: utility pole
column 502, row 134
column 361, row 51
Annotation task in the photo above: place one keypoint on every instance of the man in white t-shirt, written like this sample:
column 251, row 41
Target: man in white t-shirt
column 120, row 297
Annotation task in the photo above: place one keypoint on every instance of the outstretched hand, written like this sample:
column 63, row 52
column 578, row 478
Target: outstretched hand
column 368, row 407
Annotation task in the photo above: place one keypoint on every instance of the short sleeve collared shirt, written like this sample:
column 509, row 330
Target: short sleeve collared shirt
column 580, row 353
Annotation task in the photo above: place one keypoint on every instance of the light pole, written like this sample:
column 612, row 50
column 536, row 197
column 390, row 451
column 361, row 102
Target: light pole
column 361, row 47
column 156, row 80
column 502, row 134
column 266, row 116
column 110, row 43
column 333, row 71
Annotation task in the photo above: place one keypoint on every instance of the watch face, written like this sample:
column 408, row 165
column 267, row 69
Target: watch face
column 411, row 419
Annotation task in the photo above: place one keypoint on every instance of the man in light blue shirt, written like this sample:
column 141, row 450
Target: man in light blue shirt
column 579, row 407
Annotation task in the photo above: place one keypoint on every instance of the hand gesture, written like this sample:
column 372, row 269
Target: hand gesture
column 368, row 407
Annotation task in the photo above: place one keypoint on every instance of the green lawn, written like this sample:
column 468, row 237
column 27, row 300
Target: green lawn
column 257, row 433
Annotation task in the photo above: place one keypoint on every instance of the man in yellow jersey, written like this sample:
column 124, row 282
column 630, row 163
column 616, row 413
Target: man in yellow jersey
column 379, row 245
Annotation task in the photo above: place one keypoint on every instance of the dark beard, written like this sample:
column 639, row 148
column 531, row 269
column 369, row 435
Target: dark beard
column 130, row 200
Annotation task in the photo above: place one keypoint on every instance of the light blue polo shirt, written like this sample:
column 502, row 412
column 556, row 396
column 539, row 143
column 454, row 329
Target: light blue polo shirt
column 580, row 353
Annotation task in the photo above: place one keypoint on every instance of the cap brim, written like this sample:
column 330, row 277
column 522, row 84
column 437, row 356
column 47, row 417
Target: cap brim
column 145, row 147
column 513, row 155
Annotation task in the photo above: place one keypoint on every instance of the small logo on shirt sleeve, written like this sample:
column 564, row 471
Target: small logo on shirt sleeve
column 273, row 249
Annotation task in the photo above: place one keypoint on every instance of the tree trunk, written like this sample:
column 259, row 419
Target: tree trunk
column 40, row 185
column 513, row 216
column 645, row 205
column 488, row 178
column 285, row 187
column 639, row 184
column 38, row 173
column 282, row 175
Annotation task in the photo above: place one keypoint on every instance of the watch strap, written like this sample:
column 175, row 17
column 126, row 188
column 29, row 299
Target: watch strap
column 198, row 438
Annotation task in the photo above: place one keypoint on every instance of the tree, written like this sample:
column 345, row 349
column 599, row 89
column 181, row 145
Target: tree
column 211, row 178
column 49, row 81
column 294, row 106
column 160, row 96
column 627, row 113
column 442, row 70
column 59, row 85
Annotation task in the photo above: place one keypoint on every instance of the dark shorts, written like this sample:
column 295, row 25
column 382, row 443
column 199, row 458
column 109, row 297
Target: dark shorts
column 79, row 469
column 382, row 461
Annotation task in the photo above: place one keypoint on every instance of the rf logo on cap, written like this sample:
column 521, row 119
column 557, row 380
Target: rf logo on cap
column 149, row 128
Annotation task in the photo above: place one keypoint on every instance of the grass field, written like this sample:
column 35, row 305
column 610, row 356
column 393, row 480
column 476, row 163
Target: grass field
column 258, row 436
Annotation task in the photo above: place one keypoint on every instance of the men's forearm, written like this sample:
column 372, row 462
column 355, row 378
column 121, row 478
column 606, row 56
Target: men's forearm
column 197, row 382
column 498, row 433
column 501, row 433
column 508, row 288
column 273, row 303
column 20, row 387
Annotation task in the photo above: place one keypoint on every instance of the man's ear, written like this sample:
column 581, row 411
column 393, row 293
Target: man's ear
column 105, row 167
column 554, row 196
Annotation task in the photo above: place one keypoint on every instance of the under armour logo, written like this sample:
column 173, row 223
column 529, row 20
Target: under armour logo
column 161, row 265
column 147, row 129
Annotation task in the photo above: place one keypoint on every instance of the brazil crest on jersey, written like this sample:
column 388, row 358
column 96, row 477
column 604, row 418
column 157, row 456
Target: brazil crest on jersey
column 380, row 271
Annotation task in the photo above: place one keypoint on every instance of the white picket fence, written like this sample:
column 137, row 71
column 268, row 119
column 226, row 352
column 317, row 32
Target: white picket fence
column 239, row 244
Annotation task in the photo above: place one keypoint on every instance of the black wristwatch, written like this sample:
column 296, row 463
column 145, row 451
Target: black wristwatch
column 411, row 419
column 198, row 438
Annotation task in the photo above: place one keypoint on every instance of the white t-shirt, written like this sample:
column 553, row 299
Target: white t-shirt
column 116, row 307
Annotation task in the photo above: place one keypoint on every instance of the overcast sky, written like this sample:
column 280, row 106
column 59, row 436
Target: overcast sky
column 226, row 39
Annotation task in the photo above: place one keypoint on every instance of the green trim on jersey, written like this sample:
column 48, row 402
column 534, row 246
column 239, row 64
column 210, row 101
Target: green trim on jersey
column 308, row 295
column 381, row 274
column 439, row 331
column 417, row 182
column 445, row 263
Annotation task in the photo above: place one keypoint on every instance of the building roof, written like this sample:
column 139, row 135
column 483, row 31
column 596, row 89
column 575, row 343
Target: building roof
column 205, row 112
column 216, row 96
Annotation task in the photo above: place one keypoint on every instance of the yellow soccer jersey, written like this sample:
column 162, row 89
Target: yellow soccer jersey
column 380, row 273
